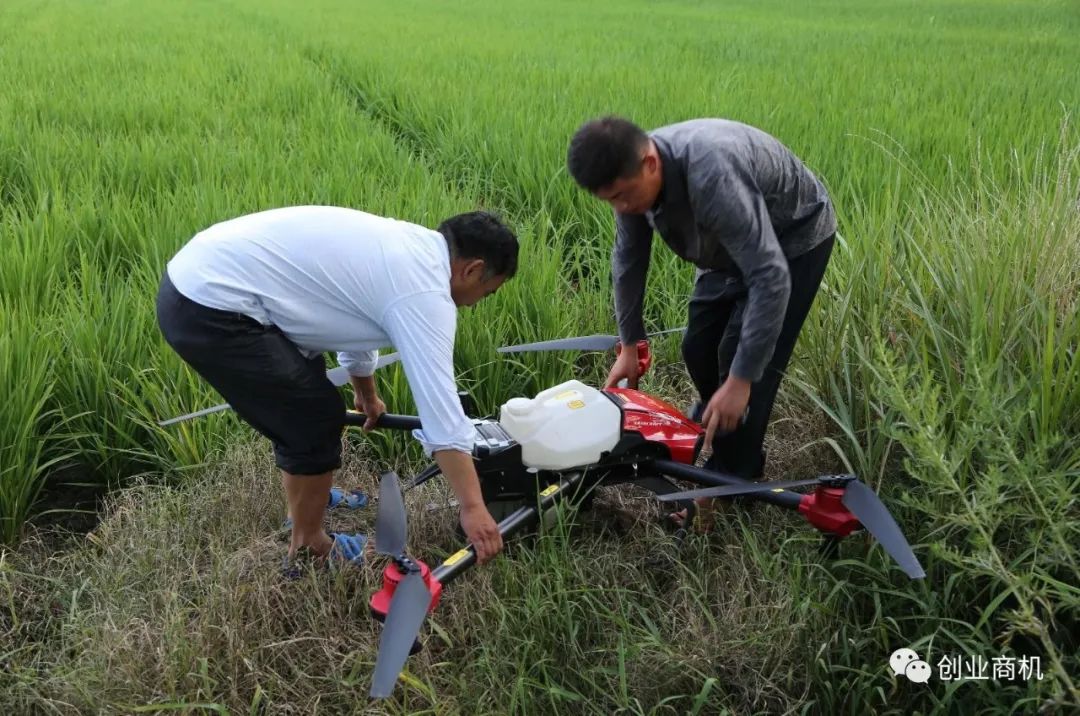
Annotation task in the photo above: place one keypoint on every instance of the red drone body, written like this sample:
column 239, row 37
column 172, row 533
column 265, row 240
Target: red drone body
column 659, row 422
column 656, row 420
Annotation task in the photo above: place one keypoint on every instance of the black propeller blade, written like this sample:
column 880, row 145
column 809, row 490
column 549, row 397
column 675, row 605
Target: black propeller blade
column 390, row 523
column 858, row 498
column 338, row 376
column 578, row 343
column 196, row 414
column 426, row 474
column 868, row 509
column 732, row 490
column 411, row 599
column 408, row 608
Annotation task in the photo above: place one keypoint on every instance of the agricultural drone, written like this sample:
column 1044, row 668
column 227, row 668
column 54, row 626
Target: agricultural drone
column 560, row 445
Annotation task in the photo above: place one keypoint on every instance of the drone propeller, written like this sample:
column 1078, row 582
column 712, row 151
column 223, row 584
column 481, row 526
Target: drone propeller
column 859, row 499
column 578, row 343
column 391, row 526
column 733, row 490
column 411, row 599
column 874, row 516
column 338, row 377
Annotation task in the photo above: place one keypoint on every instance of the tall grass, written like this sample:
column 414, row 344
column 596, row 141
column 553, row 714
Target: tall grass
column 495, row 90
column 24, row 417
column 950, row 374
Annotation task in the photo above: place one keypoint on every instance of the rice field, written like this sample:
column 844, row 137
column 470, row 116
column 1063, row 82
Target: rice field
column 939, row 362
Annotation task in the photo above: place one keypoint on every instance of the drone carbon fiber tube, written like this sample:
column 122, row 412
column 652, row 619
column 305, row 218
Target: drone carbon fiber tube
column 388, row 421
column 708, row 478
column 453, row 566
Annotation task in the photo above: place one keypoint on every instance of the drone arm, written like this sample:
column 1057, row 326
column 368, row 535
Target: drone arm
column 460, row 561
column 388, row 421
column 391, row 421
column 709, row 478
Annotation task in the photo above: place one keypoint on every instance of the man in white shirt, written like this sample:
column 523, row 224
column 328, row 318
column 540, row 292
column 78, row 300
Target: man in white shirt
column 251, row 304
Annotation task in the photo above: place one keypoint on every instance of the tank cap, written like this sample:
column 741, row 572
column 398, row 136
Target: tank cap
column 518, row 406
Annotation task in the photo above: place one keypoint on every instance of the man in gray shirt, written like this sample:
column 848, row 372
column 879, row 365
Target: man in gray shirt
column 758, row 225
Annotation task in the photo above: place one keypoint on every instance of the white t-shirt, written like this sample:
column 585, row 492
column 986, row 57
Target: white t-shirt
column 336, row 279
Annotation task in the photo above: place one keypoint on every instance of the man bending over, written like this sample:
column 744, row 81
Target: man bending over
column 759, row 227
column 252, row 303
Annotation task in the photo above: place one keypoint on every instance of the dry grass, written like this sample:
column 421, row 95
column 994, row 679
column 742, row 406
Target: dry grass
column 176, row 600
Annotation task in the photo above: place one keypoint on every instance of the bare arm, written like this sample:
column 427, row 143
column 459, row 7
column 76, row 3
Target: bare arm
column 422, row 328
column 366, row 399
column 364, row 387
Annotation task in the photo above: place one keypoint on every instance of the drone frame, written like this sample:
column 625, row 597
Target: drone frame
column 633, row 460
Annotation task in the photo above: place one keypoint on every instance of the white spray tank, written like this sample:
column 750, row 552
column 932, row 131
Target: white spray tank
column 566, row 426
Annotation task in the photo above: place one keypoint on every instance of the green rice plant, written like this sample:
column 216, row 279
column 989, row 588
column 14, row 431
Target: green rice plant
column 497, row 90
column 25, row 419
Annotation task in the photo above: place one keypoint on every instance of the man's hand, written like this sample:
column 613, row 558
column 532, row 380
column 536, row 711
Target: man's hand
column 367, row 400
column 726, row 408
column 373, row 408
column 482, row 530
column 626, row 366
column 479, row 526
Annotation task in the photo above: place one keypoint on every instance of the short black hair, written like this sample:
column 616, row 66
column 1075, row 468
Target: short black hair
column 603, row 150
column 481, row 235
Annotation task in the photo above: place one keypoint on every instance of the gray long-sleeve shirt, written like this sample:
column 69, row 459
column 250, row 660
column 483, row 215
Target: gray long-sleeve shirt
column 734, row 199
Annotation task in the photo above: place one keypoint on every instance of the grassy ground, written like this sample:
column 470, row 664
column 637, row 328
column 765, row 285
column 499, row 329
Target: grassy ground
column 939, row 363
column 175, row 601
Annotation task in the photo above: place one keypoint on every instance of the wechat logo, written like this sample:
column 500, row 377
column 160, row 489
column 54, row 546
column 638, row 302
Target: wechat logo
column 905, row 662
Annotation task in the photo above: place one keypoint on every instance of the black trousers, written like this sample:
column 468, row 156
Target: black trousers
column 282, row 394
column 712, row 335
